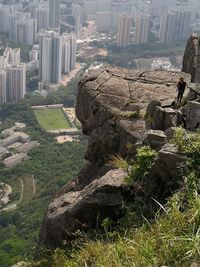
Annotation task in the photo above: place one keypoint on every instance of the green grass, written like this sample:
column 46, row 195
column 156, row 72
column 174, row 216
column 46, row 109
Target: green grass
column 51, row 119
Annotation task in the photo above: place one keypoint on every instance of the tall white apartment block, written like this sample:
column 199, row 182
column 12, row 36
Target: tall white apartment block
column 12, row 76
column 183, row 24
column 13, row 55
column 54, row 14
column 73, row 50
column 66, row 53
column 168, row 27
column 142, row 29
column 123, row 31
column 16, row 82
column 42, row 16
column 175, row 25
column 50, row 56
column 2, row 86
column 5, row 11
column 104, row 21
column 23, row 28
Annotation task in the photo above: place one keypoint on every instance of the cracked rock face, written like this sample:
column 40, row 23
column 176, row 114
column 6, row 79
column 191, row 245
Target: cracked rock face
column 112, row 104
column 191, row 60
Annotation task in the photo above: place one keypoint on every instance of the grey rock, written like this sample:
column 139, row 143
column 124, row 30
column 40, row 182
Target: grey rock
column 155, row 138
column 164, row 118
column 170, row 132
column 194, row 264
column 166, row 164
column 108, row 102
column 172, row 118
column 83, row 209
column 191, row 59
column 191, row 113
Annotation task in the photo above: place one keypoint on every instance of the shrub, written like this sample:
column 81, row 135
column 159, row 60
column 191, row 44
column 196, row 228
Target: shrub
column 145, row 157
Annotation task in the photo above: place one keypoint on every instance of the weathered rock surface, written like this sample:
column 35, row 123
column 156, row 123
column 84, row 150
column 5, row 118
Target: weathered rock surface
column 191, row 112
column 83, row 209
column 112, row 103
column 191, row 60
column 111, row 106
column 155, row 138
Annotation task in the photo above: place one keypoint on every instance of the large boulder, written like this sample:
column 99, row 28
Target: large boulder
column 191, row 113
column 111, row 105
column 155, row 138
column 163, row 118
column 85, row 209
column 163, row 179
column 191, row 59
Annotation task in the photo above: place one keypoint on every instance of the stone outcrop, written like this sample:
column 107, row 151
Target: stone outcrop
column 191, row 60
column 78, row 210
column 112, row 103
column 113, row 107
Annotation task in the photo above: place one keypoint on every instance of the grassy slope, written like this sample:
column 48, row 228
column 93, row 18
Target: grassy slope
column 171, row 239
column 51, row 119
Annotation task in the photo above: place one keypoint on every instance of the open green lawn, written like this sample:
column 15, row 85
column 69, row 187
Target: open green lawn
column 51, row 119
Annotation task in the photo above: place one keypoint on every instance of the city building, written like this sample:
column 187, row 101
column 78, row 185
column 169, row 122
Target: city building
column 142, row 29
column 104, row 21
column 66, row 53
column 183, row 24
column 12, row 76
column 2, row 86
column 175, row 26
column 123, row 31
column 73, row 50
column 50, row 56
column 54, row 14
column 13, row 56
column 168, row 25
column 16, row 82
column 5, row 11
column 23, row 28
column 42, row 16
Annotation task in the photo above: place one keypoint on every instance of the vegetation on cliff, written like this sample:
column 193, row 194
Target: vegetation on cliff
column 171, row 238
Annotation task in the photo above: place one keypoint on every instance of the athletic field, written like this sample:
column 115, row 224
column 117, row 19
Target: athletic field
column 51, row 119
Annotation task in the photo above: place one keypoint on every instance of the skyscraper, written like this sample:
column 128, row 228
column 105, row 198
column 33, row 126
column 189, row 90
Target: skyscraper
column 12, row 76
column 2, row 86
column 50, row 61
column 66, row 53
column 16, row 82
column 168, row 27
column 73, row 48
column 175, row 26
column 54, row 14
column 12, row 55
column 123, row 31
column 183, row 24
column 142, row 29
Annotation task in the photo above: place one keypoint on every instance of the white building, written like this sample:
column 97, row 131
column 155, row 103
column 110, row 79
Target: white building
column 73, row 50
column 66, row 53
column 54, row 14
column 142, row 29
column 2, row 86
column 16, row 82
column 50, row 56
column 13, row 56
column 123, row 31
column 104, row 21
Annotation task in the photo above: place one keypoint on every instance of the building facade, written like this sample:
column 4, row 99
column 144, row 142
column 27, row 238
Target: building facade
column 123, row 31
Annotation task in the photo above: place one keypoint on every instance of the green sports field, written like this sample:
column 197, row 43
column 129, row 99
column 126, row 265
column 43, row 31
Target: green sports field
column 51, row 119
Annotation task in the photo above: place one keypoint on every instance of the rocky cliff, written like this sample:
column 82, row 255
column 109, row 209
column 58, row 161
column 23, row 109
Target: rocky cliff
column 120, row 110
column 191, row 60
